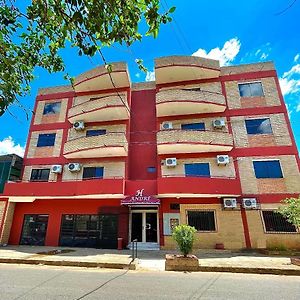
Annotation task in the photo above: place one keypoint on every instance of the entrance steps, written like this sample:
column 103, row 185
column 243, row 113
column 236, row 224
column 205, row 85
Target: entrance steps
column 145, row 246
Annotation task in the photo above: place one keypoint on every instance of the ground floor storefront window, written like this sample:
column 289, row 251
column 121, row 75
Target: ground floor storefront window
column 34, row 230
column 95, row 231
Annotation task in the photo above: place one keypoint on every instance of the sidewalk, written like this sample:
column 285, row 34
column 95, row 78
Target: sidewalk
column 209, row 260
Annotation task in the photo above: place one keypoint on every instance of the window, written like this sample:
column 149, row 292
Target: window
column 45, row 140
column 202, row 220
column 267, row 169
column 151, row 169
column 175, row 206
column 39, row 174
column 95, row 132
column 193, row 126
column 253, row 89
column 92, row 172
column 275, row 222
column 197, row 170
column 52, row 108
column 259, row 126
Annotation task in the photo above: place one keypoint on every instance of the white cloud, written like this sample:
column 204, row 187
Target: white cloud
column 137, row 75
column 8, row 146
column 264, row 56
column 296, row 57
column 225, row 55
column 150, row 76
column 257, row 54
column 298, row 107
column 289, row 83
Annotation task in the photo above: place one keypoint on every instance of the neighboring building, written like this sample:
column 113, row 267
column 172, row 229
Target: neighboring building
column 205, row 145
column 10, row 169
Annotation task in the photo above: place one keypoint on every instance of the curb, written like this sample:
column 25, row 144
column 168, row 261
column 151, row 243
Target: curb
column 130, row 266
column 270, row 271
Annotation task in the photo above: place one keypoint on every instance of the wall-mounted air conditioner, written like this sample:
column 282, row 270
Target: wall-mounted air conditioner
column 218, row 123
column 74, row 167
column 56, row 169
column 223, row 159
column 166, row 125
column 229, row 202
column 249, row 203
column 79, row 125
column 171, row 162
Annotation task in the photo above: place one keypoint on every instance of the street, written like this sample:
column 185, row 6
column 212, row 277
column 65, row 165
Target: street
column 43, row 282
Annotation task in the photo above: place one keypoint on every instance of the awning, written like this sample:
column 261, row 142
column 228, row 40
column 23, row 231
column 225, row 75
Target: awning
column 140, row 200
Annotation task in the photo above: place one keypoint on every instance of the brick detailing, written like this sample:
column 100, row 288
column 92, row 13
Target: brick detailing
column 111, row 170
column 271, row 186
column 4, row 235
column 228, row 224
column 247, row 68
column 75, row 134
column 91, row 142
column 278, row 138
column 247, row 102
column 39, row 118
column 193, row 136
column 261, row 140
column 270, row 94
column 54, row 151
column 186, row 61
column 260, row 239
column 215, row 170
column 28, row 169
column 251, row 185
column 205, row 95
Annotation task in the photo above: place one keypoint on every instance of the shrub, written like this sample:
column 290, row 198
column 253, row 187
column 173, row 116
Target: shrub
column 184, row 235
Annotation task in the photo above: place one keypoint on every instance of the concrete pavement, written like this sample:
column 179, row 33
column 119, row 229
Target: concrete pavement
column 209, row 260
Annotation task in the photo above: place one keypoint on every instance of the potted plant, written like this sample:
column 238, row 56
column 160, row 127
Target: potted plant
column 184, row 235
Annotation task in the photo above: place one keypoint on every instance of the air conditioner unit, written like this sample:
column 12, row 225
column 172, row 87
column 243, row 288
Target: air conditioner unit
column 56, row 169
column 223, row 159
column 171, row 162
column 167, row 125
column 79, row 125
column 74, row 167
column 218, row 123
column 229, row 202
column 249, row 203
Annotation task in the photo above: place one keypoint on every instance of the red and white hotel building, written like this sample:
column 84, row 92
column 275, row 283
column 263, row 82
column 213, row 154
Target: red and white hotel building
column 205, row 145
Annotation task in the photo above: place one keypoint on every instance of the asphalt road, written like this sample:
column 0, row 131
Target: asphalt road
column 42, row 282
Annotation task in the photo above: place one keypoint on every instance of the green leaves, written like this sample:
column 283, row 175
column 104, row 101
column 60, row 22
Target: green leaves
column 34, row 38
column 291, row 210
column 184, row 235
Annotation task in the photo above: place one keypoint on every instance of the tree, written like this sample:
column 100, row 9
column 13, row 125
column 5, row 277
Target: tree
column 291, row 210
column 34, row 38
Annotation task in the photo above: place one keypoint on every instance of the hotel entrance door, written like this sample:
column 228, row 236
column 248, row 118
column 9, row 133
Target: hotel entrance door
column 144, row 226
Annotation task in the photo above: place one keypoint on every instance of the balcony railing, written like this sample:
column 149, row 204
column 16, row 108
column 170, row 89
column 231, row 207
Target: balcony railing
column 106, row 186
column 111, row 144
column 193, row 141
column 102, row 108
column 188, row 101
column 210, row 186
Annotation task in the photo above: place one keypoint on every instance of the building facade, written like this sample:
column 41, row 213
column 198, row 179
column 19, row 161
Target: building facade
column 205, row 145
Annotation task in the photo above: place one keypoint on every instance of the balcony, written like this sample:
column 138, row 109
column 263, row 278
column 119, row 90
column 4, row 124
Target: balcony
column 186, row 101
column 112, row 144
column 193, row 141
column 100, row 79
column 198, row 186
column 108, row 187
column 185, row 68
column 102, row 108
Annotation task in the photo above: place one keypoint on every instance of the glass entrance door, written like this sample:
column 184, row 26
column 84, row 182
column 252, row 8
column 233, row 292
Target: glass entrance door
column 144, row 226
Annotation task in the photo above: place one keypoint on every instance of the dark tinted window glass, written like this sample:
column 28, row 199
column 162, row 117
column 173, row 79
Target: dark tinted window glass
column 267, row 169
column 45, row 140
column 193, row 126
column 52, row 108
column 202, row 220
column 92, row 172
column 276, row 222
column 39, row 174
column 197, row 170
column 258, row 126
column 175, row 206
column 151, row 169
column 95, row 132
column 251, row 89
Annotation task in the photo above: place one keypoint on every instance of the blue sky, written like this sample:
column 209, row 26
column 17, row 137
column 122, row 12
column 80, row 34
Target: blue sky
column 233, row 31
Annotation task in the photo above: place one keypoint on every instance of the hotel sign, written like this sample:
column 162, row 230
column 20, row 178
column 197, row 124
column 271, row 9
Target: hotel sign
column 140, row 199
